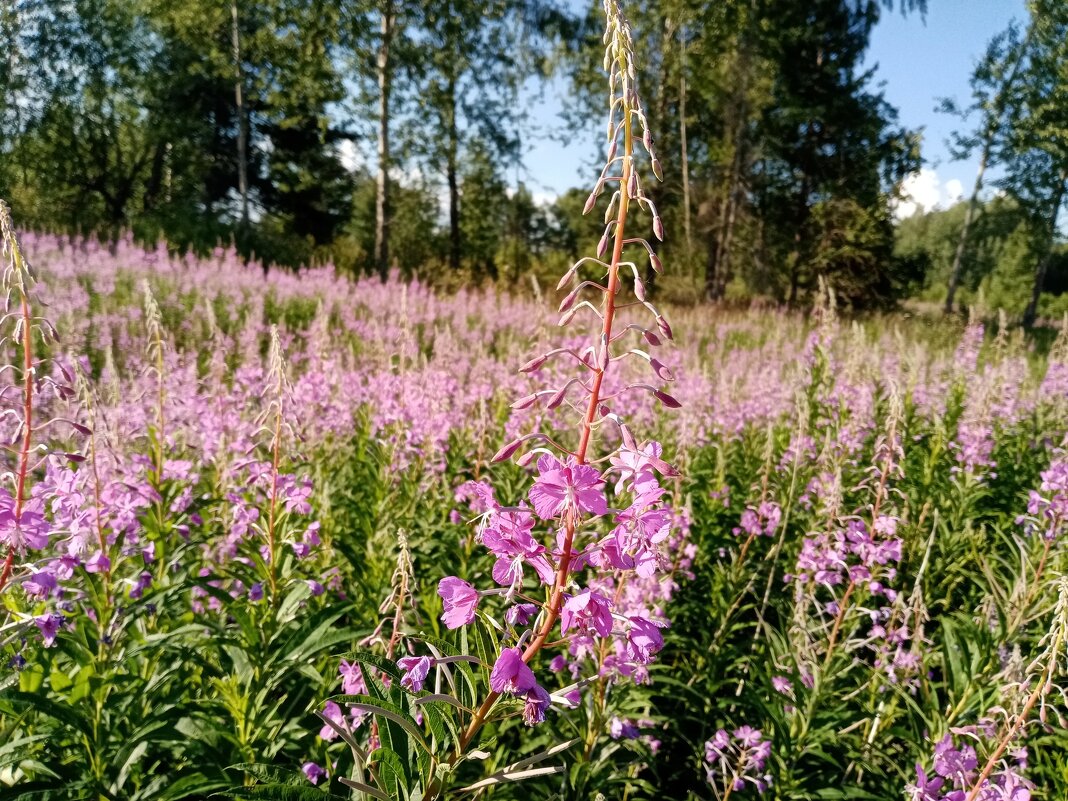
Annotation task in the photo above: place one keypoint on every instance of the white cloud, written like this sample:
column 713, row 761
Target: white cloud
column 954, row 190
column 924, row 191
column 351, row 157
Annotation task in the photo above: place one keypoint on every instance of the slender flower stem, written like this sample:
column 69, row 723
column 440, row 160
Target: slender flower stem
column 272, row 510
column 842, row 606
column 27, row 427
column 9, row 563
column 1004, row 742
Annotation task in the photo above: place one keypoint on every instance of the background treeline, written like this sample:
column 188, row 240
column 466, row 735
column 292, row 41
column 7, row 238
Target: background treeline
column 391, row 134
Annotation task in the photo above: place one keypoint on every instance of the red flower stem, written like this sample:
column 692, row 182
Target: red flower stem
column 556, row 599
column 27, row 429
column 9, row 562
column 271, row 513
column 1009, row 735
column 842, row 606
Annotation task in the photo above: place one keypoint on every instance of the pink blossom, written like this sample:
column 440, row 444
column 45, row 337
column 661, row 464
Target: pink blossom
column 415, row 670
column 511, row 674
column 537, row 701
column 560, row 486
column 460, row 600
column 587, row 610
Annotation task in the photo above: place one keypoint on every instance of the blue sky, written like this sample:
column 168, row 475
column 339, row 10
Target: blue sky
column 918, row 61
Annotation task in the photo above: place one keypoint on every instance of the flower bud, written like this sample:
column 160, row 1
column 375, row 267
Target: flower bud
column 658, row 227
column 647, row 139
column 569, row 301
column 507, row 451
column 525, row 402
column 611, row 209
column 534, row 363
column 656, row 264
column 639, row 288
column 661, row 370
column 665, row 329
column 667, row 400
column 602, row 246
column 591, row 201
column 665, row 469
column 650, row 337
column 658, row 171
column 558, row 396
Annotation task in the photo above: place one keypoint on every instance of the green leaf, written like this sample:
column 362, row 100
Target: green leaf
column 385, row 709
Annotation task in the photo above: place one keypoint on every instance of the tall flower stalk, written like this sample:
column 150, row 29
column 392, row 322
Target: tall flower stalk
column 569, row 482
column 22, row 529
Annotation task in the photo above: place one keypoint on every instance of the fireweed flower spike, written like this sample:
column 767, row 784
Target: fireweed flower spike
column 23, row 526
column 602, row 621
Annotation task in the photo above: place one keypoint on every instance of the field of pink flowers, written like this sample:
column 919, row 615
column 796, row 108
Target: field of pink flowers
column 256, row 542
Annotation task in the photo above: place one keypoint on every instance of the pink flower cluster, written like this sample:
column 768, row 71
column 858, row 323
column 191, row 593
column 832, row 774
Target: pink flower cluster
column 624, row 615
column 736, row 760
column 852, row 554
column 1047, row 506
column 956, row 766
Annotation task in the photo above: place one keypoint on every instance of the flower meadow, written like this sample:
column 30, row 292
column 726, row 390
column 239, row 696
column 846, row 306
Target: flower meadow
column 294, row 535
column 261, row 511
